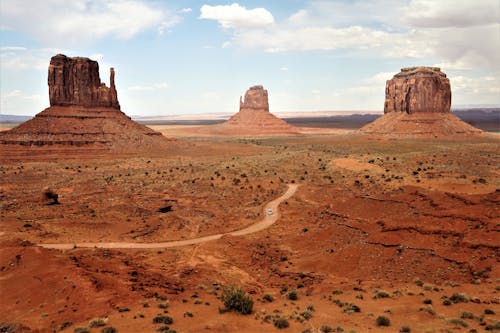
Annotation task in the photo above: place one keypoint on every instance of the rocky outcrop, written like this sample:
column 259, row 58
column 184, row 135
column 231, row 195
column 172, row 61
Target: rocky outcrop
column 76, row 82
column 84, row 118
column 418, row 89
column 256, row 98
column 417, row 104
column 254, row 117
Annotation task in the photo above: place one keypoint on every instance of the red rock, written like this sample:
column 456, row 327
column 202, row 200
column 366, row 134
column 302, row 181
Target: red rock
column 84, row 117
column 75, row 81
column 418, row 89
column 254, row 117
column 256, row 98
column 417, row 104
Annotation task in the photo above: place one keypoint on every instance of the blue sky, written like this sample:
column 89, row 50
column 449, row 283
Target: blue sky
column 190, row 57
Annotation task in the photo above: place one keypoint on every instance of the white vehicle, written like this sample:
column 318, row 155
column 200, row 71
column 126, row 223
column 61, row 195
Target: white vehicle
column 269, row 211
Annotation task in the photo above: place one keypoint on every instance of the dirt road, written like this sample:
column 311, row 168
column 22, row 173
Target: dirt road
column 266, row 222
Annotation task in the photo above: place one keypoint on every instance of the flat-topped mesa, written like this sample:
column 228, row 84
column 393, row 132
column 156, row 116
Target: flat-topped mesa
column 76, row 82
column 418, row 90
column 256, row 98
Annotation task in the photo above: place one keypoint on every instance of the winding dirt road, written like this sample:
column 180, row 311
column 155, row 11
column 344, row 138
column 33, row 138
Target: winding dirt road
column 266, row 222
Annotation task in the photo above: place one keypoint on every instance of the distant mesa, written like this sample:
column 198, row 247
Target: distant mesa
column 418, row 103
column 256, row 98
column 254, row 116
column 84, row 116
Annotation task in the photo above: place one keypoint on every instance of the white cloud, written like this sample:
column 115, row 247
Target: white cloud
column 284, row 69
column 12, row 48
column 236, row 16
column 149, row 87
column 80, row 21
column 452, row 13
column 419, row 29
column 18, row 102
column 28, row 59
column 186, row 10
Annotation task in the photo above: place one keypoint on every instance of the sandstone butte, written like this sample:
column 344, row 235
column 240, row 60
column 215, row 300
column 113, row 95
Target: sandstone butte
column 254, row 117
column 84, row 117
column 418, row 104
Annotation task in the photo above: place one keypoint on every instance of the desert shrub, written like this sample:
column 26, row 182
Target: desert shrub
column 350, row 307
column 163, row 320
column 447, row 302
column 418, row 282
column 326, row 329
column 109, row 329
column 381, row 294
column 427, row 301
column 495, row 327
column 281, row 323
column 466, row 315
column 459, row 298
column 292, row 295
column 383, row 321
column 163, row 305
column 458, row 322
column 428, row 309
column 268, row 297
column 489, row 312
column 236, row 299
column 405, row 329
column 306, row 315
column 96, row 322
column 81, row 330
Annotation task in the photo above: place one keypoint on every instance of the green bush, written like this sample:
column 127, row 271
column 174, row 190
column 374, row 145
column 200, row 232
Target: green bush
column 459, row 298
column 292, row 295
column 381, row 294
column 237, row 300
column 458, row 322
column 81, row 330
column 383, row 321
column 405, row 329
column 163, row 320
column 109, row 329
column 96, row 322
column 281, row 323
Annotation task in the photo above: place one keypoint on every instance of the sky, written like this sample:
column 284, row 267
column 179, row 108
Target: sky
column 177, row 57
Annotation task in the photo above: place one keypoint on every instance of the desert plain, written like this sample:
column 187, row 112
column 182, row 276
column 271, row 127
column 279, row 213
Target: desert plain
column 401, row 228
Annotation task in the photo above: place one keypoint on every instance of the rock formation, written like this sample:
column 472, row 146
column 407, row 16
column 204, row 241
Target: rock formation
column 418, row 89
column 84, row 116
column 256, row 98
column 254, row 117
column 417, row 103
column 76, row 81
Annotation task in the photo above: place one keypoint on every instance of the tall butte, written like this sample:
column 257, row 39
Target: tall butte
column 254, row 117
column 84, row 116
column 417, row 104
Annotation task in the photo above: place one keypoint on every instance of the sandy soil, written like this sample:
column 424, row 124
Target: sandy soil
column 394, row 227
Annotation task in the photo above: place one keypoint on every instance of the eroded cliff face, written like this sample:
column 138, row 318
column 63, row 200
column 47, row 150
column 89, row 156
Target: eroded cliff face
column 76, row 82
column 254, row 117
column 84, row 117
column 418, row 90
column 256, row 98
